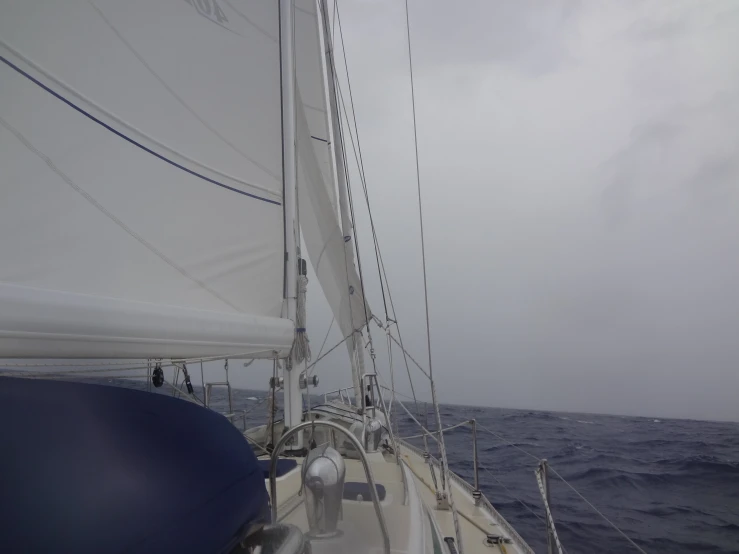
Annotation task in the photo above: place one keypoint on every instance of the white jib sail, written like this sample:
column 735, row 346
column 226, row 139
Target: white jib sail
column 141, row 212
column 319, row 221
column 309, row 72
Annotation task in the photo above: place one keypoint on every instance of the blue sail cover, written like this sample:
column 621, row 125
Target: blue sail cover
column 92, row 468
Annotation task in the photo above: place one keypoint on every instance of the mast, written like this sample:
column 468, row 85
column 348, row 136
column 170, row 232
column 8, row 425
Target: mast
column 293, row 398
column 356, row 349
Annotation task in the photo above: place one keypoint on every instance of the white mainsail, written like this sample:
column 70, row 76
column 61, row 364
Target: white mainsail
column 141, row 211
column 141, row 148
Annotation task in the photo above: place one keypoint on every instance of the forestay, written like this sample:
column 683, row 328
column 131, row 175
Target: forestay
column 319, row 221
column 142, row 214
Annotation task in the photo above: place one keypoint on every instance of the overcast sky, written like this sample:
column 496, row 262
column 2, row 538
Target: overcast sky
column 580, row 172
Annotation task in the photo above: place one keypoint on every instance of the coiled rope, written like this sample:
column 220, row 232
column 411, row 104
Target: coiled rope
column 302, row 344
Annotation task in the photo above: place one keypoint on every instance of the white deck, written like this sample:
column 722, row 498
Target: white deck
column 414, row 523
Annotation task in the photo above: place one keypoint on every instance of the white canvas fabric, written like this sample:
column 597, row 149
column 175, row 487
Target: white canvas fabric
column 324, row 240
column 140, row 146
column 310, row 76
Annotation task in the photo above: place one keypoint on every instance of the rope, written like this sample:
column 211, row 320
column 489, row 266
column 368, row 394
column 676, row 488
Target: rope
column 307, row 369
column 334, row 347
column 402, row 348
column 80, row 364
column 272, row 406
column 550, row 519
column 347, row 221
column 33, row 375
column 408, row 355
column 328, row 331
column 72, row 373
column 509, row 443
column 399, row 394
column 393, row 435
column 302, row 344
column 529, row 454
column 426, row 431
column 597, row 511
column 449, row 428
column 392, row 381
column 537, row 516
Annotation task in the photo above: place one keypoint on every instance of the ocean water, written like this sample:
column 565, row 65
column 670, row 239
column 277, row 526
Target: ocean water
column 671, row 485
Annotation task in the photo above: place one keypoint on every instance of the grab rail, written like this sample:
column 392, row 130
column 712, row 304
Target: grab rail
column 362, row 457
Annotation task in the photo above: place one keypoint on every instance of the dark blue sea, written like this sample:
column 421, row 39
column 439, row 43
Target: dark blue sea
column 671, row 485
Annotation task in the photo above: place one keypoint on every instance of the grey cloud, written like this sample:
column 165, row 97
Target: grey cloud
column 526, row 36
column 629, row 167
column 715, row 183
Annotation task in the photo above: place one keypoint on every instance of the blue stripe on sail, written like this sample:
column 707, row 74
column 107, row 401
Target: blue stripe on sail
column 129, row 139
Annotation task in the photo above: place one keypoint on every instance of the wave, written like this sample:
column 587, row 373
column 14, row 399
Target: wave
column 711, row 464
column 685, row 445
column 670, row 511
column 542, row 416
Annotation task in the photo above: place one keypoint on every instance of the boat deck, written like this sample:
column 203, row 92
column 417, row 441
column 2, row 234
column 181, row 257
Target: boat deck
column 476, row 523
column 414, row 523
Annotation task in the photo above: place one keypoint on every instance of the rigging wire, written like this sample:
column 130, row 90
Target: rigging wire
column 378, row 253
column 392, row 384
column 400, row 337
column 81, row 364
column 328, row 331
column 400, row 394
column 597, row 511
column 360, row 166
column 307, row 369
column 347, row 227
column 555, row 472
column 382, row 274
column 334, row 347
column 88, row 370
column 359, row 257
column 551, row 527
column 353, row 217
column 509, row 443
column 408, row 354
column 499, row 482
column 437, row 412
column 359, row 149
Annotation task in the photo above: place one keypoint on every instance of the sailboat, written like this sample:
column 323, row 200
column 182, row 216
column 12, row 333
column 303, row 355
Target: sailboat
column 164, row 165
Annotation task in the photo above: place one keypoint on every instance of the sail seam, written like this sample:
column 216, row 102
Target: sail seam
column 250, row 22
column 129, row 139
column 182, row 102
column 23, row 140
